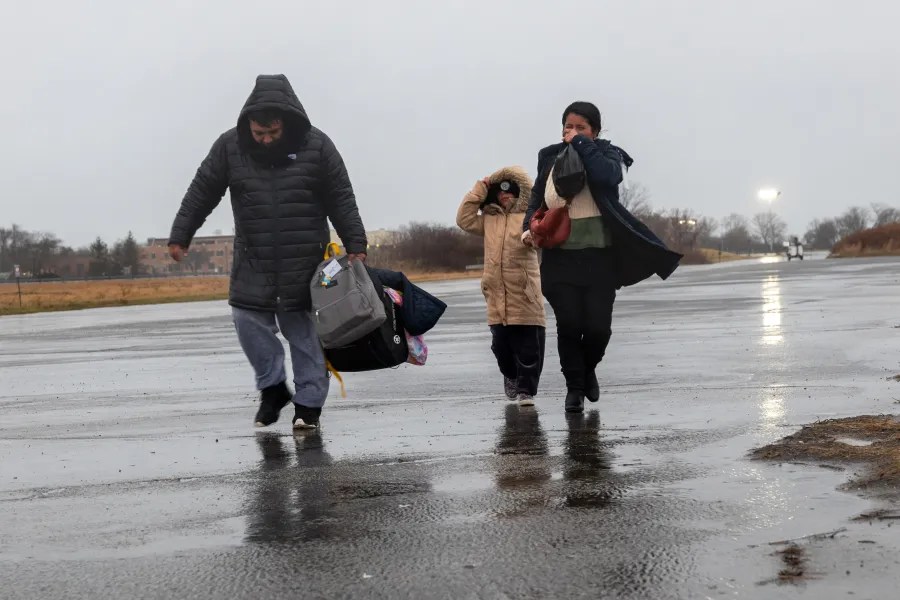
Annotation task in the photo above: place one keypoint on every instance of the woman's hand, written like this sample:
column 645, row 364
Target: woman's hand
column 527, row 238
column 480, row 189
column 569, row 135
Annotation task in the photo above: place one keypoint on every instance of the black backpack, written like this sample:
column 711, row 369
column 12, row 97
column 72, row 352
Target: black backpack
column 384, row 348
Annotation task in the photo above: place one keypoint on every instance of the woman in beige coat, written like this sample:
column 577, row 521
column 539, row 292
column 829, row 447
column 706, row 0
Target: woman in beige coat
column 511, row 284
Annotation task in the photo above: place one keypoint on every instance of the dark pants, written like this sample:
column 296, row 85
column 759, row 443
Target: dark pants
column 580, row 286
column 520, row 354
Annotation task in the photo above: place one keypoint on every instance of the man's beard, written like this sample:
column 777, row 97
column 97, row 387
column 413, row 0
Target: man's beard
column 269, row 153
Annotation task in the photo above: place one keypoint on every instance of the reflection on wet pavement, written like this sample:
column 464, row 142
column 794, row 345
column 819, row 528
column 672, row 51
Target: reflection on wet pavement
column 771, row 309
column 522, row 449
column 588, row 466
column 140, row 475
column 525, row 464
column 293, row 498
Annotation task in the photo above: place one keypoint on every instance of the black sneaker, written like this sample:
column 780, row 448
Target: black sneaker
column 592, row 388
column 271, row 400
column 306, row 417
column 574, row 402
column 510, row 388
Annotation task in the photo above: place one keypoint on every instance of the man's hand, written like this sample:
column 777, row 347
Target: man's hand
column 177, row 252
column 361, row 256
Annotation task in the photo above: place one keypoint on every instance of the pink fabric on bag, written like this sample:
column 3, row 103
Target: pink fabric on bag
column 394, row 295
column 418, row 350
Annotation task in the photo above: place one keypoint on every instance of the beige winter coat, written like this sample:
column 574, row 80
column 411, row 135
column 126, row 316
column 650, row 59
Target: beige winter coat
column 512, row 282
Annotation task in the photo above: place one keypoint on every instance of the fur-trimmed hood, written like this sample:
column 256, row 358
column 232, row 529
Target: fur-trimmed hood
column 520, row 176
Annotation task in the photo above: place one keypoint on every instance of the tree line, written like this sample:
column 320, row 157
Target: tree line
column 38, row 252
column 445, row 248
column 684, row 231
column 433, row 247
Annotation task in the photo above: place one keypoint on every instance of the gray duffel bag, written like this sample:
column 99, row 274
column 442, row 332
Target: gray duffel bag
column 345, row 303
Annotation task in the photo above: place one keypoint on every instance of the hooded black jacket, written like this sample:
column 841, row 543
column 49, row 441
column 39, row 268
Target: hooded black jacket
column 281, row 203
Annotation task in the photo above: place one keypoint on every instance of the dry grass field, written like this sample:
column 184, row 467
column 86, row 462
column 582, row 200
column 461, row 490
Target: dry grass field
column 73, row 295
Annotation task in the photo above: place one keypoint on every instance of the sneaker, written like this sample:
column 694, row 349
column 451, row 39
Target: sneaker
column 271, row 400
column 574, row 402
column 306, row 417
column 526, row 400
column 510, row 388
column 592, row 387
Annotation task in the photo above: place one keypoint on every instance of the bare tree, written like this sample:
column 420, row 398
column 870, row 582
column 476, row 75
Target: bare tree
column 736, row 235
column 854, row 220
column 885, row 215
column 5, row 254
column 45, row 246
column 706, row 231
column 770, row 228
column 685, row 228
column 431, row 247
column 734, row 221
column 636, row 199
column 821, row 234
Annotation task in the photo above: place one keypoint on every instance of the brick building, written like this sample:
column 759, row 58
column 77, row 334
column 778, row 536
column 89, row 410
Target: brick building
column 214, row 253
column 207, row 254
column 69, row 265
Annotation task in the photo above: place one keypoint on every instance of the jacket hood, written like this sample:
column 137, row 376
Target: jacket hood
column 274, row 92
column 520, row 176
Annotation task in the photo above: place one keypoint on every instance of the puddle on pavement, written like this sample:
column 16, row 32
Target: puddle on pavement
column 213, row 535
column 463, row 482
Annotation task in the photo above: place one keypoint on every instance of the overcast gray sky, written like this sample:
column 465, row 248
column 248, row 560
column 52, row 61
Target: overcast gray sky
column 110, row 105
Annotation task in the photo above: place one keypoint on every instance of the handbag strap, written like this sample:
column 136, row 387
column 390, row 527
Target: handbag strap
column 332, row 250
column 547, row 179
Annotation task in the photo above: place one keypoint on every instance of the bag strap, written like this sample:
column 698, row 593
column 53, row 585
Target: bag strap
column 548, row 171
column 332, row 250
column 568, row 201
column 336, row 374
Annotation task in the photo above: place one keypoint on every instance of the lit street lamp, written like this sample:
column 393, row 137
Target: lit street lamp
column 769, row 195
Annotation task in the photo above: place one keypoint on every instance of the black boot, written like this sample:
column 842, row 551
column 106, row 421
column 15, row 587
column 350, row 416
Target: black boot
column 574, row 401
column 271, row 400
column 592, row 387
column 306, row 417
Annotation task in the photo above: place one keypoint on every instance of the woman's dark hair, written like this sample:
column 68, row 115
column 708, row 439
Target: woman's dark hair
column 587, row 110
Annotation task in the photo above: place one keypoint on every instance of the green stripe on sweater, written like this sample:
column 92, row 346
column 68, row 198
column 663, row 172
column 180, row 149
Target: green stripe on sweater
column 590, row 232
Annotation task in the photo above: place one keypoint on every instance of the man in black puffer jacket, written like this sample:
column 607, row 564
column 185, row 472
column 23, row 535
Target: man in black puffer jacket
column 287, row 180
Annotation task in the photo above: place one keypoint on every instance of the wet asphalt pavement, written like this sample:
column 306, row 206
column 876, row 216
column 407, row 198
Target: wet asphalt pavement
column 130, row 468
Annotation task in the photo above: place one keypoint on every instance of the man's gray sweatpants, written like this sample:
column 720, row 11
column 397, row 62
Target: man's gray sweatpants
column 257, row 332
